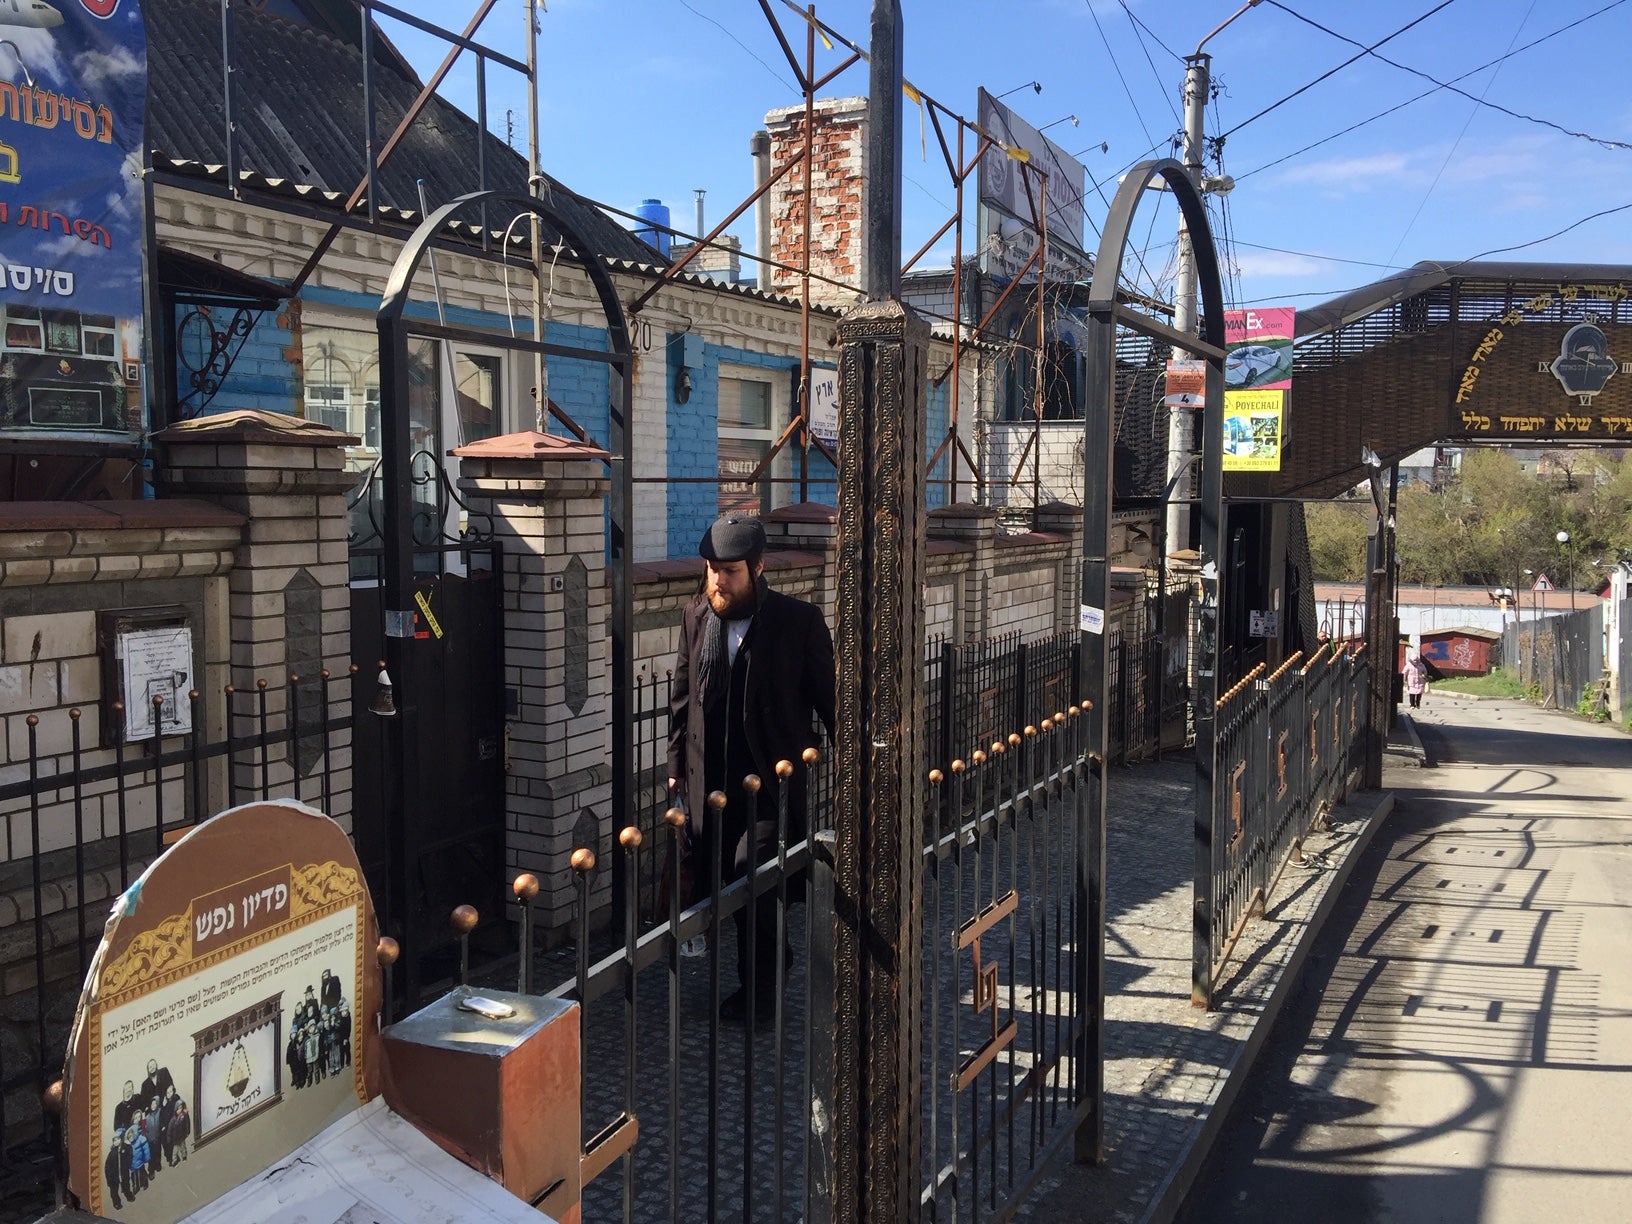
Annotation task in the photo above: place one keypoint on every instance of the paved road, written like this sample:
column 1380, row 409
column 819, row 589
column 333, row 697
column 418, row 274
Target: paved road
column 1461, row 1048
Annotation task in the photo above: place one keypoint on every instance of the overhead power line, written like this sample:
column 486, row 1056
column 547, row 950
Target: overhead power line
column 1460, row 263
column 1116, row 65
column 1165, row 92
column 1302, row 89
column 1605, row 212
column 1383, row 114
column 1135, row 19
column 1359, row 263
column 1480, row 100
column 754, row 54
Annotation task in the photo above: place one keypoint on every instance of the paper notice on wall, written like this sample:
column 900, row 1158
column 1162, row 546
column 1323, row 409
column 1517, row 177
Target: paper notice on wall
column 1092, row 619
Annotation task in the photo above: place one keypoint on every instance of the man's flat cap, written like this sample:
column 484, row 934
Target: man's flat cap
column 733, row 537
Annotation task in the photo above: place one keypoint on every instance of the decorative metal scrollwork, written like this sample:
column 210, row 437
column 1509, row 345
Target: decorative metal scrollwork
column 432, row 495
column 207, row 351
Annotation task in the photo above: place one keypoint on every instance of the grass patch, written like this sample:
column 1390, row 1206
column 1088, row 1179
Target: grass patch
column 1499, row 683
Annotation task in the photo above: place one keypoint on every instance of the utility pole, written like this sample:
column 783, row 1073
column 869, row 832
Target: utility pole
column 1181, row 426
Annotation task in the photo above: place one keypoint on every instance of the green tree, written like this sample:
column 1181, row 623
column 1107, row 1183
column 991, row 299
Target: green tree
column 1337, row 539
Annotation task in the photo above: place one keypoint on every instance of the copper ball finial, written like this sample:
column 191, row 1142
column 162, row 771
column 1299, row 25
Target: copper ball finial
column 1031, row 729
column 979, row 756
column 674, row 817
column 630, row 838
column 387, row 950
column 810, row 756
column 716, row 800
column 583, row 859
column 1014, row 736
column 525, row 886
column 784, row 770
column 1048, row 725
column 999, row 747
column 463, row 920
column 1059, row 716
column 958, row 766
column 936, row 777
column 51, row 1098
column 751, row 784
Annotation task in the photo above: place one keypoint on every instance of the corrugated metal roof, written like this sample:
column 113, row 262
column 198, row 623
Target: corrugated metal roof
column 300, row 119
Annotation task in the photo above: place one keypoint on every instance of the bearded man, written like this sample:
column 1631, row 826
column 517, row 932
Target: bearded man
column 753, row 675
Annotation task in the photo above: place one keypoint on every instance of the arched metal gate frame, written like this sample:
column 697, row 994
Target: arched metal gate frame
column 396, row 452
column 1105, row 314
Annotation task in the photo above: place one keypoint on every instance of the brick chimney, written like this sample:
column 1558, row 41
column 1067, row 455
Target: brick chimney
column 838, row 212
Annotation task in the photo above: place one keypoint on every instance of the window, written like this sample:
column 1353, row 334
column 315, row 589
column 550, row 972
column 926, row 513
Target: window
column 23, row 330
column 342, row 385
column 746, row 433
column 101, row 339
column 62, row 333
column 476, row 395
column 329, row 403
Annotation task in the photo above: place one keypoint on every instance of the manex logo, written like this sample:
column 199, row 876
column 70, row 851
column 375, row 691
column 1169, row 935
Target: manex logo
column 101, row 8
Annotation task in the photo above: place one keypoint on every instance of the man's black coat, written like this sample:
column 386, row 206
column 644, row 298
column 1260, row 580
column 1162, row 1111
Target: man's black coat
column 789, row 677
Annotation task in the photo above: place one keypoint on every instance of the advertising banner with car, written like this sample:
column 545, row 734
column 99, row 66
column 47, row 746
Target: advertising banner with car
column 1257, row 376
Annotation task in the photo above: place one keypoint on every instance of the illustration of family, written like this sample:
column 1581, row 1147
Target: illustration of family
column 151, row 1130
column 319, row 1034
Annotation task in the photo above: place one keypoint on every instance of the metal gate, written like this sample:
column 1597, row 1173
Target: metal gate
column 447, row 848
column 689, row 1115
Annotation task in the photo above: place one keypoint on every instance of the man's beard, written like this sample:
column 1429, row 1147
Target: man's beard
column 729, row 608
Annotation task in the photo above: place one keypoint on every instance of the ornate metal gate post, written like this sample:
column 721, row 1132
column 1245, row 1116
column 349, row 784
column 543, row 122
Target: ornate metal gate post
column 879, row 816
column 1105, row 314
column 879, row 813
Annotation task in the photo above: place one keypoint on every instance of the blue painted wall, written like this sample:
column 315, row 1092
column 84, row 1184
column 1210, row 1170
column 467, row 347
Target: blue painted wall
column 263, row 374
column 693, row 431
column 267, row 375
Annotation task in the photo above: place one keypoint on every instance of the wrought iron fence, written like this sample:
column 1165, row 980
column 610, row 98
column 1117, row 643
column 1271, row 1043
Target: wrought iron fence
column 726, row 1124
column 977, row 692
column 1289, row 748
column 89, row 820
column 1003, row 992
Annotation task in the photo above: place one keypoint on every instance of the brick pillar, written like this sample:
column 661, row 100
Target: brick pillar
column 547, row 497
column 837, row 212
column 975, row 527
column 290, row 594
column 814, row 528
column 1064, row 520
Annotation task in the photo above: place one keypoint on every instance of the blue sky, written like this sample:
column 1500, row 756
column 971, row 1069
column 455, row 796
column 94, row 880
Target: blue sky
column 646, row 98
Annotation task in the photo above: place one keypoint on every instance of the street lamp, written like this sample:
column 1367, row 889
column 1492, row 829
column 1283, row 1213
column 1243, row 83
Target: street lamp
column 1563, row 539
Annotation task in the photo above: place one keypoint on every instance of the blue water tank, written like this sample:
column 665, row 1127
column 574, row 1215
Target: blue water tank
column 657, row 213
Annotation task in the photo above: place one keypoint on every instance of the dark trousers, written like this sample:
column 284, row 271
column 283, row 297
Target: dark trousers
column 761, row 842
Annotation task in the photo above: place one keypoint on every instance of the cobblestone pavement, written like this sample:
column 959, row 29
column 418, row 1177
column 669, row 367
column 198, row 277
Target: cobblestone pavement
column 1166, row 1063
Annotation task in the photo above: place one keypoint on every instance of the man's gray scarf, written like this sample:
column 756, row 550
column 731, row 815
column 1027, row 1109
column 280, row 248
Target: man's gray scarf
column 713, row 663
